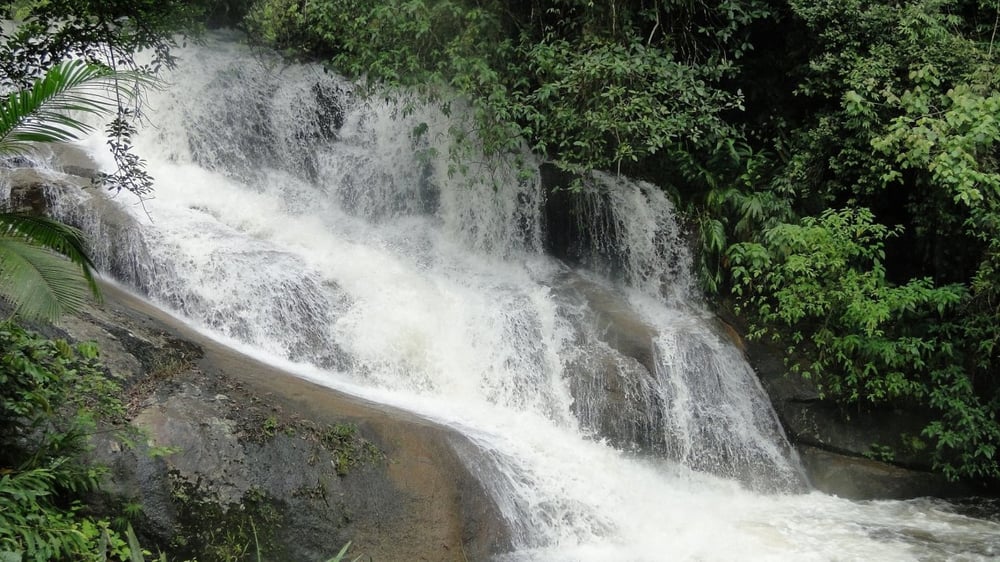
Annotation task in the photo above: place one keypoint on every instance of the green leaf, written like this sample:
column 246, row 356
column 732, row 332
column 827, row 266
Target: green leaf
column 42, row 113
column 54, row 235
column 39, row 283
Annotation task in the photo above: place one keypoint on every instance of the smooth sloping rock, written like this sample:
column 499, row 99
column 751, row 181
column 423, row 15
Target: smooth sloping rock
column 251, row 448
column 611, row 376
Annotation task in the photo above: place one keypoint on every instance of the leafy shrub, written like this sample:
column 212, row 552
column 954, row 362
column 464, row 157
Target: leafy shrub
column 819, row 289
column 52, row 394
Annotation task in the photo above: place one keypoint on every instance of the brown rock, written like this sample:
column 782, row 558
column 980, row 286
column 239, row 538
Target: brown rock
column 310, row 468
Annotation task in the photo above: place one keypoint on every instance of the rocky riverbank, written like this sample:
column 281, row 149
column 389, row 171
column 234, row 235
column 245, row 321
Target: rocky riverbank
column 858, row 455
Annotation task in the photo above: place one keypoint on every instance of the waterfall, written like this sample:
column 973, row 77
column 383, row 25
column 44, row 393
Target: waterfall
column 610, row 418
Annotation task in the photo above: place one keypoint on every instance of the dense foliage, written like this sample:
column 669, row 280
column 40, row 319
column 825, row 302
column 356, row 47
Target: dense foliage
column 900, row 138
column 838, row 159
column 54, row 67
column 587, row 84
column 52, row 394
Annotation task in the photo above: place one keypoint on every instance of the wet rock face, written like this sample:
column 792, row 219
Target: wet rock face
column 860, row 478
column 876, row 454
column 234, row 456
column 612, row 379
column 566, row 234
column 31, row 190
column 27, row 192
column 876, row 433
column 626, row 413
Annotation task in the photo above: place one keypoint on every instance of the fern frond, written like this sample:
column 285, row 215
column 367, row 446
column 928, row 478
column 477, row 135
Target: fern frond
column 56, row 236
column 39, row 283
column 43, row 112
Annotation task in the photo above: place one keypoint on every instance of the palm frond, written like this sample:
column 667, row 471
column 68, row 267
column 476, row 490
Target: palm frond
column 56, row 236
column 39, row 283
column 43, row 112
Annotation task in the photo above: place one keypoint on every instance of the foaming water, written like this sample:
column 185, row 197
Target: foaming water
column 609, row 419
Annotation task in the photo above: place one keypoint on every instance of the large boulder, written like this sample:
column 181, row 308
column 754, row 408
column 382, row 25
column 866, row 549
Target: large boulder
column 858, row 478
column 31, row 189
column 858, row 454
column 235, row 455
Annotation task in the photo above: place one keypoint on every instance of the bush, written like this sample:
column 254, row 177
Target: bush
column 819, row 289
column 52, row 395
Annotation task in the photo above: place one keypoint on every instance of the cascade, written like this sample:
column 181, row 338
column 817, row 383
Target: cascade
column 610, row 417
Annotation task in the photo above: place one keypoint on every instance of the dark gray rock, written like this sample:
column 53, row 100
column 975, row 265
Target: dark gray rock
column 873, row 454
column 859, row 478
column 774, row 377
column 885, row 434
column 33, row 190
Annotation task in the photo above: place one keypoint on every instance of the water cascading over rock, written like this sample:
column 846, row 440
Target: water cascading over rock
column 310, row 224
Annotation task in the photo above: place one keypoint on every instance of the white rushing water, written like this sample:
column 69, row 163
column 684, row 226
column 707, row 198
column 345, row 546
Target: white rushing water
column 612, row 420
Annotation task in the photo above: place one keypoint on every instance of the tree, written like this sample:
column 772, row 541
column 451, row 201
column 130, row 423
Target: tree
column 35, row 275
column 105, row 32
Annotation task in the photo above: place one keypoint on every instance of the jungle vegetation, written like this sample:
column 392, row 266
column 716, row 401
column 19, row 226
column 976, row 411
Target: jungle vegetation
column 54, row 395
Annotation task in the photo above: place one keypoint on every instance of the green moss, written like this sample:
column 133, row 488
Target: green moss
column 210, row 531
column 270, row 426
column 348, row 448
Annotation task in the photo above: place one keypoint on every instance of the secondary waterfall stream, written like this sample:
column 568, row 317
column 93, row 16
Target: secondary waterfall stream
column 612, row 419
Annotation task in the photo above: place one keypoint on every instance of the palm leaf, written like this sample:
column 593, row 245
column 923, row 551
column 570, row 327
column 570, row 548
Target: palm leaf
column 56, row 236
column 43, row 112
column 39, row 283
